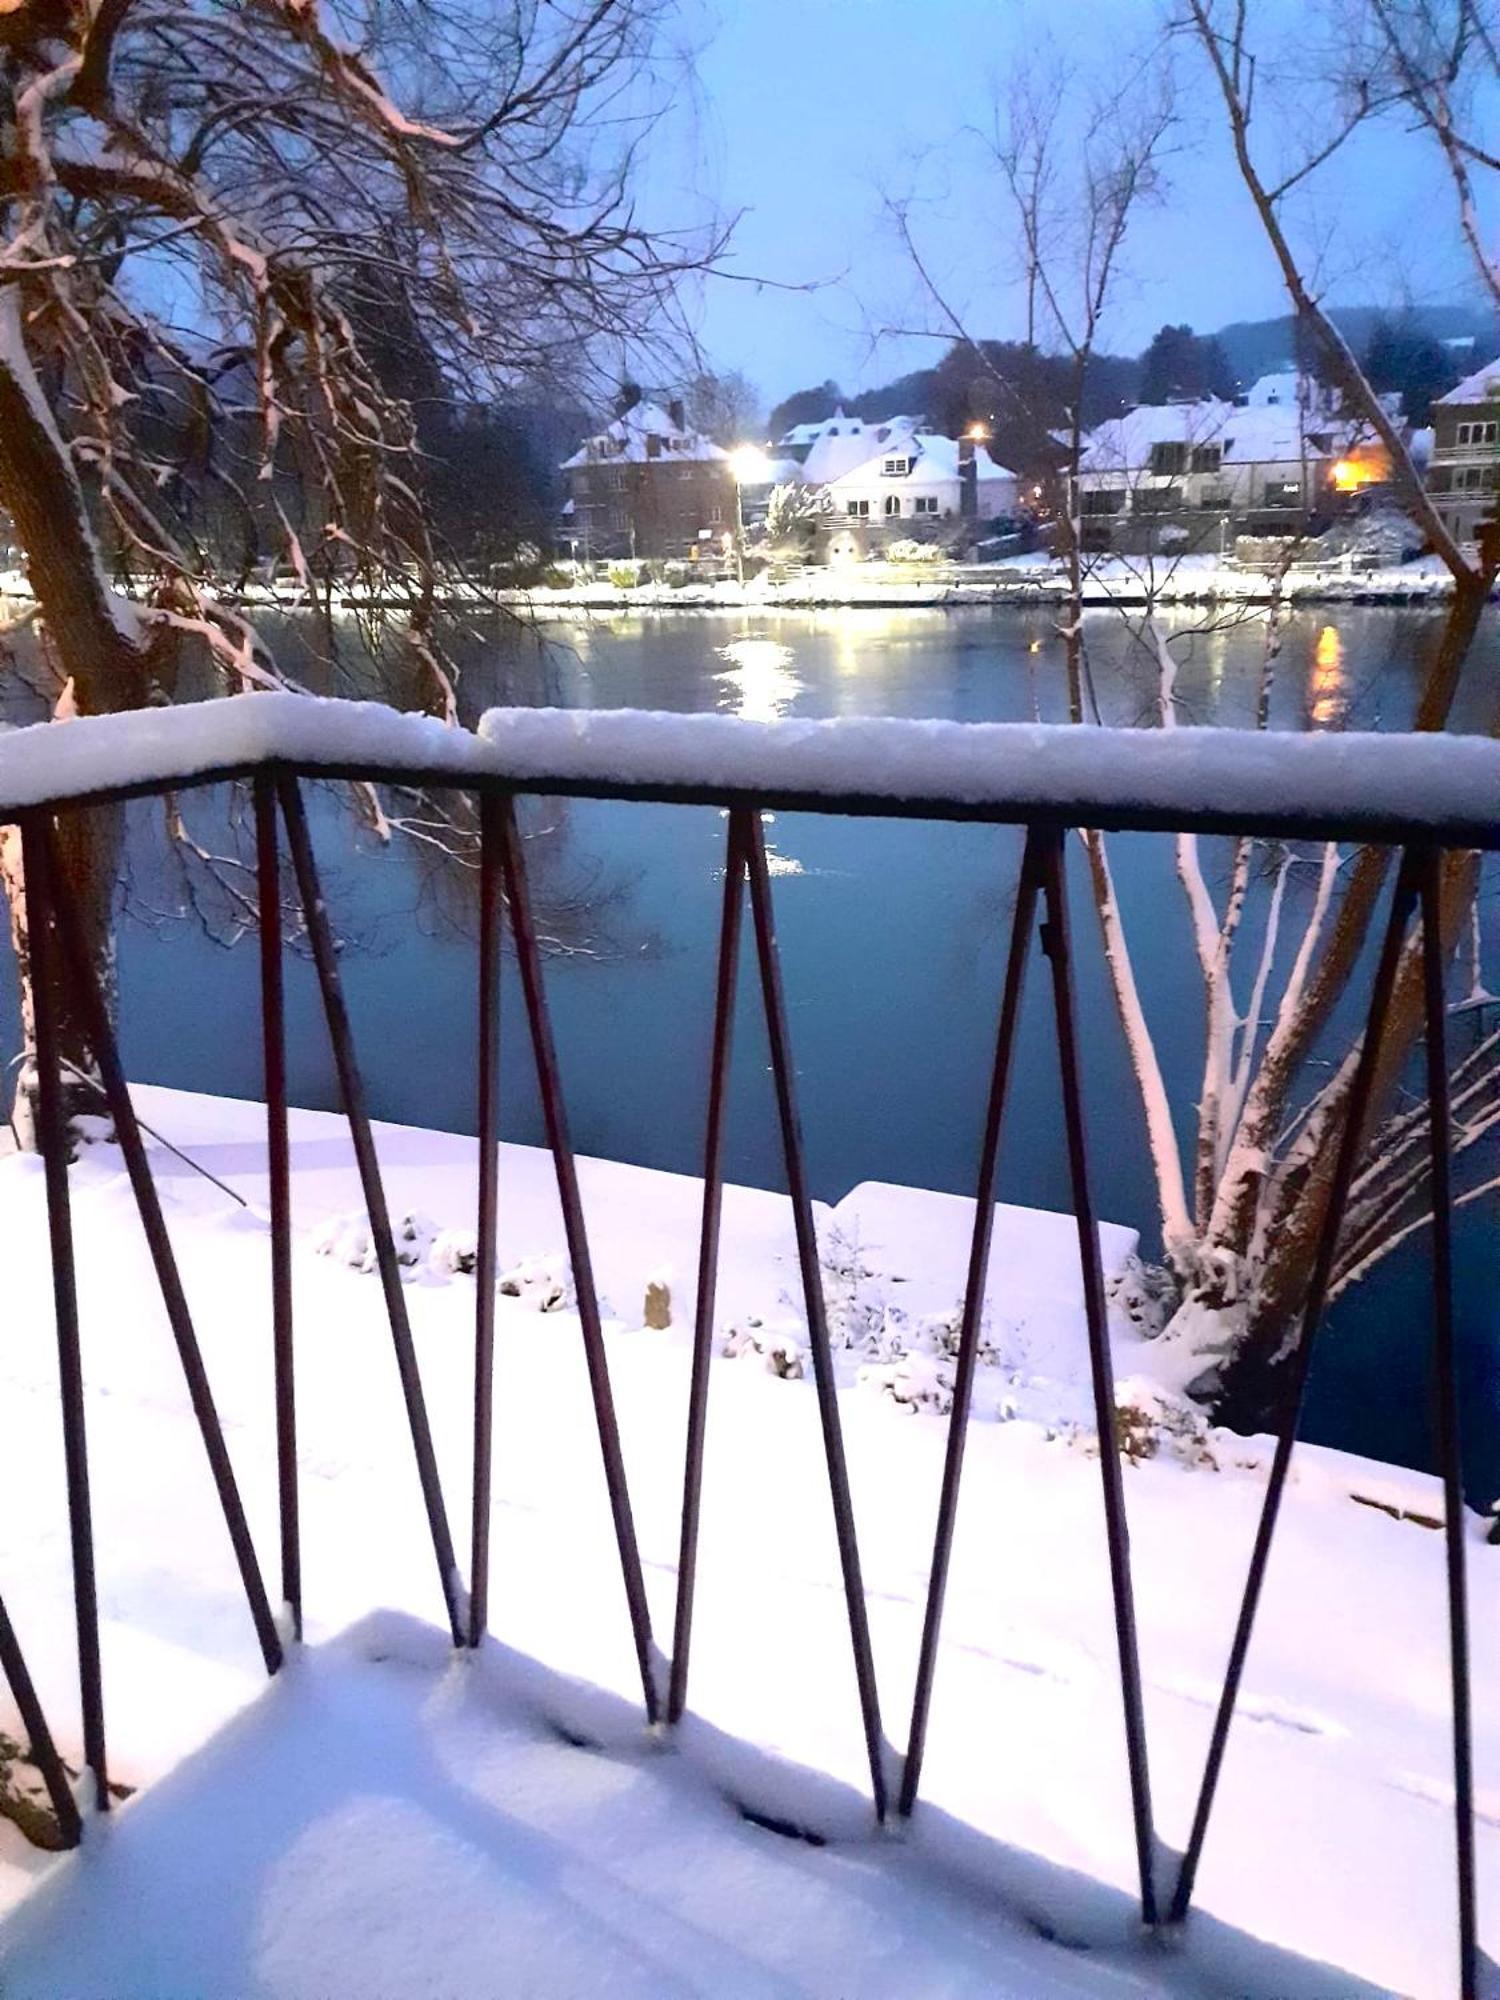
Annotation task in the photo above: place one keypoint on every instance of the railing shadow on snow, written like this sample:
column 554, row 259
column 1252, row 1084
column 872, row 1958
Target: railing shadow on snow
column 1421, row 796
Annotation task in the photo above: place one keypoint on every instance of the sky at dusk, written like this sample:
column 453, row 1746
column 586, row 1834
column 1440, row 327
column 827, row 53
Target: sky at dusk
column 808, row 113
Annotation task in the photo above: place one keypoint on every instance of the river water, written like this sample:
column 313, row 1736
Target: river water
column 893, row 936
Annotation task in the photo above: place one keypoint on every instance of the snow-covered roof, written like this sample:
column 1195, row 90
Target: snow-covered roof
column 1264, row 435
column 846, row 442
column 932, row 457
column 625, row 441
column 1283, row 386
column 1480, row 387
column 840, row 424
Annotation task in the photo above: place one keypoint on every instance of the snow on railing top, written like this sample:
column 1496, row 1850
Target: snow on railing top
column 1230, row 777
column 1448, row 786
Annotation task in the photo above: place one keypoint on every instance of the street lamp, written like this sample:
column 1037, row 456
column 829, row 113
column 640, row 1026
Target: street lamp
column 750, row 467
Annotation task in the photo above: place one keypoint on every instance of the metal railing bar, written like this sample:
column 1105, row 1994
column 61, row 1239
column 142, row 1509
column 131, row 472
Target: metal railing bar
column 84, row 984
column 762, row 912
column 1350, row 1141
column 549, row 1079
column 39, row 1736
column 1449, row 1434
column 52, row 1133
column 1057, row 944
column 726, row 983
column 485, row 1273
column 1022, row 925
column 1270, row 823
column 279, row 1177
column 352, row 1090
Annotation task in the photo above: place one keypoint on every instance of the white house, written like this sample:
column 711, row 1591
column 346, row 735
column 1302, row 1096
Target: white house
column 1181, row 472
column 897, row 473
column 798, row 442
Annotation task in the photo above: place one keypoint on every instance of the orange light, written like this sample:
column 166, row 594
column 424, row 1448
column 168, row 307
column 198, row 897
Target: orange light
column 1349, row 474
column 976, row 432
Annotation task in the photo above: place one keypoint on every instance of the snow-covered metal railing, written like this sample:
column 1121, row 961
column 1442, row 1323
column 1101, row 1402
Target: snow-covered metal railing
column 1423, row 795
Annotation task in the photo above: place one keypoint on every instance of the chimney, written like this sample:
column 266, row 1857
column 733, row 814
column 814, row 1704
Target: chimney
column 968, row 480
column 629, row 396
column 677, row 414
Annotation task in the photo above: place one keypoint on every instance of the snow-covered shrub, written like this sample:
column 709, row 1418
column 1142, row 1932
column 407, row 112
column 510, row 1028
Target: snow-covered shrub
column 543, row 1283
column 454, row 1253
column 910, row 551
column 1143, row 1296
column 778, row 1345
column 860, row 1317
column 624, row 576
column 915, row 1382
column 348, row 1239
column 1150, row 1422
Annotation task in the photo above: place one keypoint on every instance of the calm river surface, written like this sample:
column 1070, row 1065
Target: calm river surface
column 892, row 935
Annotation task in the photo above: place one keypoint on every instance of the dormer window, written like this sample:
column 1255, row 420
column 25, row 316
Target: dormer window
column 895, row 468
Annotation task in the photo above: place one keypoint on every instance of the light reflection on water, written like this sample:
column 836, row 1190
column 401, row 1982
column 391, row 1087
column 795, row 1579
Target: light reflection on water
column 1328, row 686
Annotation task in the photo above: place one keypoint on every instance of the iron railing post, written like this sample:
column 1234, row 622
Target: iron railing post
column 39, row 1736
column 1056, row 943
column 973, row 1314
column 1350, row 1139
column 549, row 1078
column 708, row 1261
column 485, row 1273
column 352, row 1090
column 752, row 840
column 36, row 857
column 279, row 1177
column 1445, row 1390
column 88, row 997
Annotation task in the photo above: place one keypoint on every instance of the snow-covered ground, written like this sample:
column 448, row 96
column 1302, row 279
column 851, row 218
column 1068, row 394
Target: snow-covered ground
column 1037, row 578
column 359, row 1805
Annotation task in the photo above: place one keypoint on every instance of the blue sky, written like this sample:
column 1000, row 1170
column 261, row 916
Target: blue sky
column 806, row 110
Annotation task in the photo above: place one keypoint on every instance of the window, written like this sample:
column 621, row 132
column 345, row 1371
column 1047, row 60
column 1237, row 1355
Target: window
column 858, row 509
column 715, row 514
column 1473, row 478
column 1158, row 499
column 1102, row 500
column 1207, row 457
column 1478, row 433
column 1168, row 459
column 925, row 503
column 1283, row 493
column 896, row 468
column 892, row 504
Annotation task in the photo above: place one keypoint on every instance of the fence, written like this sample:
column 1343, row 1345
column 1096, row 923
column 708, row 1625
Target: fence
column 1423, row 797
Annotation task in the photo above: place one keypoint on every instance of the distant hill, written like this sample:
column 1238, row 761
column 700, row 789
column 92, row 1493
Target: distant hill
column 1258, row 347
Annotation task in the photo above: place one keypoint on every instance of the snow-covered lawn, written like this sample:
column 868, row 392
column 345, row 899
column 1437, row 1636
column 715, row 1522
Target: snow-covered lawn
column 1332, row 1837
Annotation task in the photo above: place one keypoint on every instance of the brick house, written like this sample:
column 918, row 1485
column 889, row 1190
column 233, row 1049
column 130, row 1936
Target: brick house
column 1461, row 471
column 650, row 487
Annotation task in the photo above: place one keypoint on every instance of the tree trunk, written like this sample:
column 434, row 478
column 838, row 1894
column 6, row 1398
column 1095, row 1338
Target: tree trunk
column 98, row 648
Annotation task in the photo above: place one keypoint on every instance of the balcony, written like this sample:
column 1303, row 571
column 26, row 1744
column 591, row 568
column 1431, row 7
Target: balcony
column 729, row 1692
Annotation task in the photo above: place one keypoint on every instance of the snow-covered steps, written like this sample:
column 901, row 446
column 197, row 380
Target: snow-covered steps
column 388, row 1821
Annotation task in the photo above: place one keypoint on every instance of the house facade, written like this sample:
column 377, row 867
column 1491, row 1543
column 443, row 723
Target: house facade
column 897, row 481
column 1188, row 476
column 1461, row 468
column 648, row 486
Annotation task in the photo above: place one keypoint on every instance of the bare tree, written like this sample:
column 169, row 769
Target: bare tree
column 1242, row 1213
column 220, row 216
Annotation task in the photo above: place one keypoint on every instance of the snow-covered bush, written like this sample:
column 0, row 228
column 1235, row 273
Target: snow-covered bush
column 454, row 1253
column 916, row 1382
column 778, row 1345
column 348, row 1239
column 543, row 1283
column 860, row 1317
column 909, row 551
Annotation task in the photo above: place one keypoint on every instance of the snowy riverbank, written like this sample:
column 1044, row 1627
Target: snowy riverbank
column 1332, row 1836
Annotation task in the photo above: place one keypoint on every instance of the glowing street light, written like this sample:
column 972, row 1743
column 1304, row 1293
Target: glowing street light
column 749, row 465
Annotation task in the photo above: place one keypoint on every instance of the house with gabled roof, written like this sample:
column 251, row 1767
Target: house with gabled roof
column 650, row 486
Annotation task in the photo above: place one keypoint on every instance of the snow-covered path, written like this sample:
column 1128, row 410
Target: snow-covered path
column 387, row 1822
column 1332, row 1837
